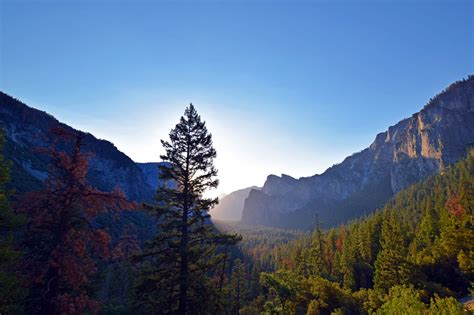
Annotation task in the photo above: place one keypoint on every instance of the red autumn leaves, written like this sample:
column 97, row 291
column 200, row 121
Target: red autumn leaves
column 455, row 207
column 62, row 245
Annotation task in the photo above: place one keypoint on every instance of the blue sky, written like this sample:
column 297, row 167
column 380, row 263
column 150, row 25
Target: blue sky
column 285, row 86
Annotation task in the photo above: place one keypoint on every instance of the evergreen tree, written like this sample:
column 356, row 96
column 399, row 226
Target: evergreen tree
column 117, row 287
column 403, row 300
column 348, row 261
column 11, row 292
column 177, row 262
column 425, row 235
column 391, row 266
column 316, row 258
column 301, row 261
column 331, row 251
column 238, row 285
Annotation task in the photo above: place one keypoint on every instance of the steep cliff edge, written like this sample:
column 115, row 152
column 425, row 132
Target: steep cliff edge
column 407, row 152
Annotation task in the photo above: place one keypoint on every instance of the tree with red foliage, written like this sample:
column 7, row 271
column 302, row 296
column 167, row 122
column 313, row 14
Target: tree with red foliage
column 61, row 244
column 455, row 207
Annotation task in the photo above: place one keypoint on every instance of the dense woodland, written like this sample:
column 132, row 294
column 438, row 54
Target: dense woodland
column 413, row 256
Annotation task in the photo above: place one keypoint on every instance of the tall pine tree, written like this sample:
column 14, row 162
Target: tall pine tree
column 391, row 266
column 178, row 261
column 316, row 259
column 238, row 286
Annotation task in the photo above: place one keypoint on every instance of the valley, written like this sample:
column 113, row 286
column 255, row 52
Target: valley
column 389, row 223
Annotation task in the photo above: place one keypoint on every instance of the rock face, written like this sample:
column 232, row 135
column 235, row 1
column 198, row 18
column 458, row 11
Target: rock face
column 151, row 172
column 230, row 206
column 27, row 129
column 413, row 149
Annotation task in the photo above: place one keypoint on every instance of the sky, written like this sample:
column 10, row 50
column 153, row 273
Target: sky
column 287, row 87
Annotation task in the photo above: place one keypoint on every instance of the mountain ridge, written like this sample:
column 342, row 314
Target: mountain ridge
column 414, row 148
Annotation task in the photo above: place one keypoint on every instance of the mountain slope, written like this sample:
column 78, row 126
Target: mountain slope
column 230, row 206
column 407, row 152
column 27, row 129
column 151, row 172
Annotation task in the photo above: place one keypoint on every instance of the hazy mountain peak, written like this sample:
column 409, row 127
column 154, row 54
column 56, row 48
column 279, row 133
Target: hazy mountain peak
column 230, row 206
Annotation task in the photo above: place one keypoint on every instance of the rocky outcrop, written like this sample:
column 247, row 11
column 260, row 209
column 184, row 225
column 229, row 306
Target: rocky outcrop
column 407, row 152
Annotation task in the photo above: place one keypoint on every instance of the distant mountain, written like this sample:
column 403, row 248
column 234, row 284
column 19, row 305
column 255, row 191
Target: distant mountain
column 230, row 206
column 407, row 152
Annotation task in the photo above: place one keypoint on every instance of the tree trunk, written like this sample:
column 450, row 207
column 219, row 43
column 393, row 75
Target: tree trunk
column 183, row 274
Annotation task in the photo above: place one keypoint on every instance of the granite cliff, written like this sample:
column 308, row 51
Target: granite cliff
column 407, row 152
